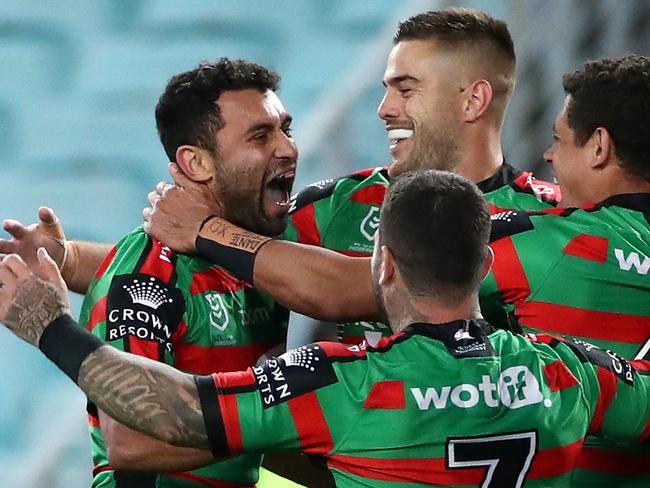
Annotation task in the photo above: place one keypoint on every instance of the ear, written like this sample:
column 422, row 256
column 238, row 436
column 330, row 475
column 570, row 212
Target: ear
column 387, row 266
column 478, row 96
column 195, row 163
column 603, row 147
column 487, row 264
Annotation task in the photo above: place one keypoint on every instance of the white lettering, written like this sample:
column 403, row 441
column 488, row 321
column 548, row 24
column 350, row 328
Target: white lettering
column 464, row 388
column 283, row 389
column 516, row 387
column 431, row 395
column 633, row 259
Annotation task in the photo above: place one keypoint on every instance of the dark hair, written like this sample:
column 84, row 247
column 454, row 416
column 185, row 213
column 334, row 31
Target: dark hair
column 437, row 225
column 187, row 112
column 613, row 94
column 458, row 27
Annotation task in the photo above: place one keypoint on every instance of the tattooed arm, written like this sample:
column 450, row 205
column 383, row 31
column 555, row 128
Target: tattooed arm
column 147, row 396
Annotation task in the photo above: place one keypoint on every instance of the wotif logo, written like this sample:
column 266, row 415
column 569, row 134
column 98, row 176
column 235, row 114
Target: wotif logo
column 632, row 260
column 516, row 387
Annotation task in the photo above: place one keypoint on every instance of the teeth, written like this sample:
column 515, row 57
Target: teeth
column 398, row 134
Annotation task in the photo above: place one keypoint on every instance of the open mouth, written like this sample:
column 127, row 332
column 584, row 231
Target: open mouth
column 395, row 136
column 278, row 189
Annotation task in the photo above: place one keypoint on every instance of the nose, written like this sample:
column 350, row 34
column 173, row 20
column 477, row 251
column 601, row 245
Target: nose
column 286, row 148
column 548, row 154
column 389, row 108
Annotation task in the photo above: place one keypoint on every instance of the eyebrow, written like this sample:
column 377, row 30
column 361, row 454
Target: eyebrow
column 267, row 126
column 396, row 80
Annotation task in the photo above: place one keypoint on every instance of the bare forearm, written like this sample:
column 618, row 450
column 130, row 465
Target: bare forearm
column 82, row 262
column 316, row 282
column 146, row 396
column 131, row 450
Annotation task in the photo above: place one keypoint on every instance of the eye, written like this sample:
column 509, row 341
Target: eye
column 260, row 136
column 288, row 131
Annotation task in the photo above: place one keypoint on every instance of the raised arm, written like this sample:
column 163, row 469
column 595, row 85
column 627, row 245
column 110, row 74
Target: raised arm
column 77, row 260
column 144, row 395
column 310, row 280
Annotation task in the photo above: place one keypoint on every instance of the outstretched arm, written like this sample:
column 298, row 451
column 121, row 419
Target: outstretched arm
column 77, row 260
column 310, row 280
column 144, row 395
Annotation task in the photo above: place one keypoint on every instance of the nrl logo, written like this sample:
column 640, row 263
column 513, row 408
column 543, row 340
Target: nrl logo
column 370, row 223
column 219, row 318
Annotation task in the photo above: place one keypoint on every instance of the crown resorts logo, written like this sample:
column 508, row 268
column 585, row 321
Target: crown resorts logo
column 303, row 357
column 147, row 293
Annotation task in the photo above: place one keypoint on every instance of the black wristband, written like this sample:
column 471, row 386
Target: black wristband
column 214, row 428
column 67, row 344
column 239, row 263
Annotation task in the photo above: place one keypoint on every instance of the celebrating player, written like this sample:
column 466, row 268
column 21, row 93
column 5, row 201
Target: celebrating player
column 447, row 400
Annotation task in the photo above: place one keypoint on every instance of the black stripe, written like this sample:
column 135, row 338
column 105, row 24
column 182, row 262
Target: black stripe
column 238, row 389
column 143, row 256
column 134, row 479
column 212, row 417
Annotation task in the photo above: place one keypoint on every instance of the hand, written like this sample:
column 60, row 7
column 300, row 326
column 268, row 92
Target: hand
column 47, row 233
column 177, row 212
column 31, row 297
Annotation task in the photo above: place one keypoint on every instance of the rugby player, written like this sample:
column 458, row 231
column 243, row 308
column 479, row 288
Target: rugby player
column 572, row 271
column 446, row 401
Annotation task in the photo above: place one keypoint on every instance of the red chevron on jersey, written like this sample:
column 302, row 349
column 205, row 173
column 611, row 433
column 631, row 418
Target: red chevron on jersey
column 305, row 222
column 159, row 261
column 312, row 428
column 589, row 247
column 215, row 279
column 370, row 195
column 559, row 377
column 386, row 395
column 105, row 263
column 541, row 189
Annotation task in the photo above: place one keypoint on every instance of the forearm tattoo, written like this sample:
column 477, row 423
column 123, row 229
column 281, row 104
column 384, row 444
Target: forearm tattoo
column 149, row 397
column 34, row 306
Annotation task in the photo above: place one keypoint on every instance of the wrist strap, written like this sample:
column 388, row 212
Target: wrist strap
column 229, row 246
column 67, row 344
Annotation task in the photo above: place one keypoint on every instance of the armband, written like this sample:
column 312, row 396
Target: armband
column 66, row 344
column 229, row 246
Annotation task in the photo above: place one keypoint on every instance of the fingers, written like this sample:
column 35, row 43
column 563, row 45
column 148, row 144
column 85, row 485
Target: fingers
column 146, row 214
column 17, row 266
column 7, row 277
column 15, row 228
column 153, row 197
column 49, row 269
column 162, row 187
column 47, row 216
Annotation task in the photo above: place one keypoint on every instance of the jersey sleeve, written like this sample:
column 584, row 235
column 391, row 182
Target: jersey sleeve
column 134, row 304
column 275, row 406
column 617, row 390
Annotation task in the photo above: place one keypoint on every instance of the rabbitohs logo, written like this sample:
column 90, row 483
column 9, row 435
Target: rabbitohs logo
column 370, row 223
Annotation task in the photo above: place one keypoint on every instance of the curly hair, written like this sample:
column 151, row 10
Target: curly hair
column 187, row 111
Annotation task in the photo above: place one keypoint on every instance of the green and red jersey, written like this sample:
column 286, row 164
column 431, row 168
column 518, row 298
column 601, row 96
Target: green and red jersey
column 579, row 272
column 343, row 215
column 456, row 405
column 187, row 313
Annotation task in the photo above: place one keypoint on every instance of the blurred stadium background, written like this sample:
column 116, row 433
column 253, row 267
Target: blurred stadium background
column 79, row 82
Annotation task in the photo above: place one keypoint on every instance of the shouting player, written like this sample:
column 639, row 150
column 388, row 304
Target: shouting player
column 576, row 271
column 446, row 401
column 449, row 79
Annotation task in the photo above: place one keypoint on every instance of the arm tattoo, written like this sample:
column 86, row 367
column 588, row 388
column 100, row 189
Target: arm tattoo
column 34, row 306
column 149, row 397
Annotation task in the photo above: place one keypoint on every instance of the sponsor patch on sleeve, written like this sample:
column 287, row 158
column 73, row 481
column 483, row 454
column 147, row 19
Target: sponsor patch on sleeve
column 600, row 357
column 509, row 222
column 144, row 307
column 295, row 372
column 314, row 192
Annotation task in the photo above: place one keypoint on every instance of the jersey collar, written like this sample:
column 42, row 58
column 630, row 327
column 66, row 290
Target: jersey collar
column 462, row 338
column 504, row 176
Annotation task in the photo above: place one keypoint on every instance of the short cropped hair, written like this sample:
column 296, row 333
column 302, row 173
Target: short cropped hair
column 188, row 112
column 614, row 93
column 457, row 27
column 437, row 226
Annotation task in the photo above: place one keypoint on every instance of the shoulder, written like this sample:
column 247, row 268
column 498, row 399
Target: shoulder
column 545, row 191
column 367, row 185
column 507, row 223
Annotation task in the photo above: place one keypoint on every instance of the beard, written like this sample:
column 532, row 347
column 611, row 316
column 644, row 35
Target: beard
column 433, row 149
column 241, row 196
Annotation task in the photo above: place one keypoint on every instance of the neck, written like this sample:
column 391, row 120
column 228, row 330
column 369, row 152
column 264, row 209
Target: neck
column 481, row 154
column 609, row 184
column 431, row 311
